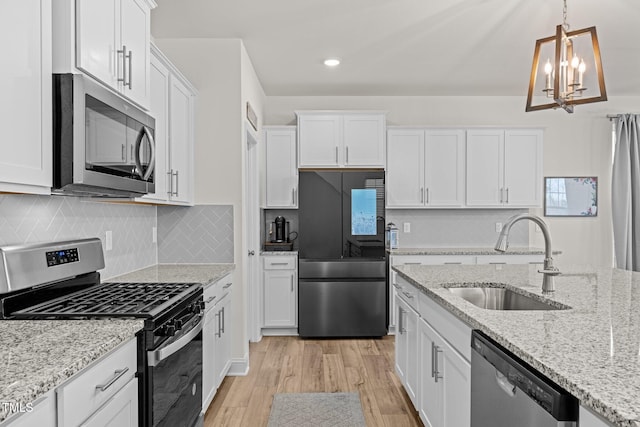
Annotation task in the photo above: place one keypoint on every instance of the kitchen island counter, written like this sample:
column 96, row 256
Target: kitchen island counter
column 591, row 350
column 468, row 251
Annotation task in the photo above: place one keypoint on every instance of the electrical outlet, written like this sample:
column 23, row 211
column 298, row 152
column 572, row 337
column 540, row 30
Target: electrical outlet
column 406, row 227
column 498, row 227
column 108, row 241
column 154, row 234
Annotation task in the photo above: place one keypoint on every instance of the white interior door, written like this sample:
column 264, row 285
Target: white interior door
column 252, row 238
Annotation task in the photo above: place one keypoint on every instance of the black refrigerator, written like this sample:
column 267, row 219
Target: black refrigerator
column 342, row 286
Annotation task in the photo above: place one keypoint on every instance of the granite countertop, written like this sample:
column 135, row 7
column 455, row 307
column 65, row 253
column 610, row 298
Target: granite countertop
column 591, row 350
column 278, row 253
column 468, row 251
column 38, row 355
column 205, row 274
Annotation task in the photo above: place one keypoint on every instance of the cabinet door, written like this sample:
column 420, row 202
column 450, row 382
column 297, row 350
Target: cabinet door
column 456, row 386
column 180, row 140
column 209, row 377
column 42, row 415
column 523, row 168
column 485, row 167
column 411, row 379
column 363, row 140
column 280, row 298
column 222, row 358
column 120, row 411
column 320, row 140
column 444, row 156
column 405, row 170
column 25, row 108
column 98, row 39
column 430, row 400
column 135, row 31
column 159, row 108
column 281, row 168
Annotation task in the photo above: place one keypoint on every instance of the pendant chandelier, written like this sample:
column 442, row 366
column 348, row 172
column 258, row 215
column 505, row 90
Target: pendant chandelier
column 570, row 72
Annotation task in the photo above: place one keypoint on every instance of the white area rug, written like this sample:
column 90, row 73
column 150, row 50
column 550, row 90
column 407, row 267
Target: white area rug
column 316, row 410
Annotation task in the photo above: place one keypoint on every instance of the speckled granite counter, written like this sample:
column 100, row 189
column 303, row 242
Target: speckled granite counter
column 591, row 350
column 278, row 253
column 37, row 356
column 177, row 273
column 467, row 251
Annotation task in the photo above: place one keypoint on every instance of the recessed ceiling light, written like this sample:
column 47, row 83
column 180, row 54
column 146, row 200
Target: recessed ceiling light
column 332, row 62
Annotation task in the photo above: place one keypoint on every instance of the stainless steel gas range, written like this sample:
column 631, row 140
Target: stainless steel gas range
column 59, row 280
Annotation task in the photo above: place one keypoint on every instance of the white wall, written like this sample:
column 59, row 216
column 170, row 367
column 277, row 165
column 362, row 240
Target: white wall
column 223, row 75
column 576, row 144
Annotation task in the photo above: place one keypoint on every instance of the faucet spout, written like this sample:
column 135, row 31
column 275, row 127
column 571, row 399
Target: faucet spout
column 549, row 271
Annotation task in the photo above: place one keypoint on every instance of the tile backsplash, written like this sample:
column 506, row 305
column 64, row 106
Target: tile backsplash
column 436, row 228
column 197, row 234
column 28, row 219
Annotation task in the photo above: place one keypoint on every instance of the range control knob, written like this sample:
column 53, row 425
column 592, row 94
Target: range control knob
column 169, row 330
column 178, row 324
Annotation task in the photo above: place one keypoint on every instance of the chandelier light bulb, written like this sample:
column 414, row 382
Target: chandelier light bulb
column 548, row 67
column 575, row 61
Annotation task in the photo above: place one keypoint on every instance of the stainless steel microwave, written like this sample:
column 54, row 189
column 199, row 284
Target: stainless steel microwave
column 102, row 144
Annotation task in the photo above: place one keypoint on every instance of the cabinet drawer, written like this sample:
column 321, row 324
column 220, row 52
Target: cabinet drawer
column 84, row 393
column 280, row 263
column 215, row 291
column 407, row 292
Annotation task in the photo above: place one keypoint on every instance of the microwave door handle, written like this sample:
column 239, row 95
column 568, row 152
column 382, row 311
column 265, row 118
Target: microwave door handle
column 152, row 160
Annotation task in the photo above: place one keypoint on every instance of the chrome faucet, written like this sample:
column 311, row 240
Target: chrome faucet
column 549, row 271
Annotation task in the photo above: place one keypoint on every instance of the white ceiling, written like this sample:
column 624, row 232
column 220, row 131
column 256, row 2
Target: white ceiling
column 405, row 47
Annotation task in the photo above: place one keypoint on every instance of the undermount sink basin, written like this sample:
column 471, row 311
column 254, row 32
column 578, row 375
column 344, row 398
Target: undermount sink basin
column 500, row 299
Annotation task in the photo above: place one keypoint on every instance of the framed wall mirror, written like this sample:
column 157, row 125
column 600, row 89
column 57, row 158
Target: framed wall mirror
column 570, row 196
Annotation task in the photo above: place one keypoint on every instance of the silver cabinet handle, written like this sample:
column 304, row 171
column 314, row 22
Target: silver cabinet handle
column 117, row 374
column 123, row 153
column 279, row 263
column 427, row 201
column 502, row 195
column 227, row 286
column 507, row 201
column 497, row 263
column 400, row 326
column 436, row 375
column 336, row 154
column 433, row 359
column 132, row 151
column 347, row 156
column 210, row 299
column 177, row 189
column 130, row 56
column 124, row 65
column 408, row 295
column 222, row 331
column 452, row 263
column 421, row 194
column 292, row 284
column 219, row 333
column 293, row 196
column 170, row 176
column 412, row 263
column 152, row 152
column 395, row 285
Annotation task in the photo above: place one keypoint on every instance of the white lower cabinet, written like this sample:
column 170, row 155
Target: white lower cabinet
column 216, row 337
column 589, row 419
column 433, row 359
column 104, row 394
column 41, row 414
column 280, row 293
column 445, row 381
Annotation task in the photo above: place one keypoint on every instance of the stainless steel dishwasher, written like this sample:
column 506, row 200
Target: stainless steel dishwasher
column 507, row 392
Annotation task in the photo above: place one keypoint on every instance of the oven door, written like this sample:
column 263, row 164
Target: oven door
column 174, row 372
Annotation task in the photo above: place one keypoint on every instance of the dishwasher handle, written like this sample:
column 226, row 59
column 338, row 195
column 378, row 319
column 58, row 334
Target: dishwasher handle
column 506, row 386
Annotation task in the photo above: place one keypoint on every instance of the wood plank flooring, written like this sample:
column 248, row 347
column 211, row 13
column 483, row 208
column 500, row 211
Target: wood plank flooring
column 294, row 365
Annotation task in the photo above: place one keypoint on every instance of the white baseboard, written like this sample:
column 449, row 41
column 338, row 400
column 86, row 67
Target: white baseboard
column 239, row 367
column 280, row 332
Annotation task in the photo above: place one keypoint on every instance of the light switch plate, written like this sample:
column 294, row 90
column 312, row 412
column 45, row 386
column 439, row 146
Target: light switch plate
column 154, row 234
column 498, row 227
column 108, row 241
column 406, row 227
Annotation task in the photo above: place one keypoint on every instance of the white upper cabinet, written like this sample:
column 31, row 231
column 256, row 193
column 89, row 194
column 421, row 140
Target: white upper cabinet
column 25, row 106
column 111, row 43
column 281, row 167
column 504, row 168
column 425, row 168
column 172, row 103
column 340, row 139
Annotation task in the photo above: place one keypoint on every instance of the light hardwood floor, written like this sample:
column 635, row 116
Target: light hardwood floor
column 294, row 365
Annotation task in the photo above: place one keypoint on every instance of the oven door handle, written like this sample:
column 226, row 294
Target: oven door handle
column 156, row 356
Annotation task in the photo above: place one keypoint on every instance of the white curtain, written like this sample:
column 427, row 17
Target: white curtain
column 625, row 192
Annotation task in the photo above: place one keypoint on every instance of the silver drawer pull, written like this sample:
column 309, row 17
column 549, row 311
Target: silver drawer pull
column 395, row 285
column 497, row 263
column 279, row 263
column 226, row 286
column 117, row 374
column 412, row 263
column 453, row 263
column 407, row 294
column 210, row 299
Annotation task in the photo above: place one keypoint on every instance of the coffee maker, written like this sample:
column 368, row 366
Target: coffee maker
column 278, row 235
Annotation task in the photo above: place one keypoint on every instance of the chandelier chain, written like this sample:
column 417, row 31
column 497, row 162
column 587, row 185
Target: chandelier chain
column 565, row 24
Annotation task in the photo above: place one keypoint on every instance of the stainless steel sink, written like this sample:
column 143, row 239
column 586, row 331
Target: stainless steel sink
column 501, row 299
